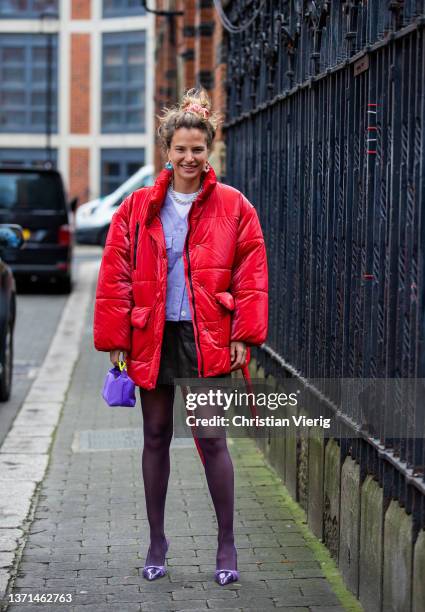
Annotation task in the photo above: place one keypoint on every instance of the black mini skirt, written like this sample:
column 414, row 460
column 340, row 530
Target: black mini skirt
column 178, row 353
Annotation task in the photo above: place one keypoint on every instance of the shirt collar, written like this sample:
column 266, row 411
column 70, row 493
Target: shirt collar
column 162, row 182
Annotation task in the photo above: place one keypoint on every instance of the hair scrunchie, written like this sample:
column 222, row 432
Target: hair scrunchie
column 197, row 109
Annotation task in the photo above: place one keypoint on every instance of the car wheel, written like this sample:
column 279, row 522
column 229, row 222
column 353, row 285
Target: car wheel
column 65, row 284
column 6, row 364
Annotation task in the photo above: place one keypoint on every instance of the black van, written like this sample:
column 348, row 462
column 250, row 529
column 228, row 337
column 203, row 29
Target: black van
column 35, row 199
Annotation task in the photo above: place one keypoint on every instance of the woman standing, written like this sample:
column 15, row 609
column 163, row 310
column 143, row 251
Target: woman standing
column 182, row 293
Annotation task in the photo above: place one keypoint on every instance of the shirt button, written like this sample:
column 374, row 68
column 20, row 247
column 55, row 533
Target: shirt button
column 183, row 313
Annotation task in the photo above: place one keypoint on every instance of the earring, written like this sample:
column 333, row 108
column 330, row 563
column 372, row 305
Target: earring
column 207, row 167
column 169, row 165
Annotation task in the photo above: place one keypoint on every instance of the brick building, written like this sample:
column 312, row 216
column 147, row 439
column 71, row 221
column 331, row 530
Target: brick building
column 189, row 53
column 98, row 57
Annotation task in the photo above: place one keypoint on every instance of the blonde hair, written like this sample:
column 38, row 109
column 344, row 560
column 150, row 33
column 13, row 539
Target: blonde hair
column 194, row 111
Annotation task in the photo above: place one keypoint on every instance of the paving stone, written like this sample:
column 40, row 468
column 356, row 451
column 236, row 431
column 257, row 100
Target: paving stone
column 27, row 444
column 308, row 573
column 196, row 605
column 153, row 606
column 93, row 584
column 105, row 607
column 15, row 500
column 6, row 559
column 256, row 603
column 266, row 609
column 29, row 582
column 132, row 596
column 47, row 590
column 37, row 607
column 290, row 608
column 143, row 585
column 327, row 609
column 9, row 538
column 306, row 600
column 183, row 595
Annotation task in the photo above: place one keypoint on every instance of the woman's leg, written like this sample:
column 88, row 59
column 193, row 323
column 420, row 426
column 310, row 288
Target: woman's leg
column 157, row 408
column 220, row 478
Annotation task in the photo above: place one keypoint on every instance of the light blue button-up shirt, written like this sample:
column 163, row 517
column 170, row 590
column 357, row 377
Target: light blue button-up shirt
column 175, row 229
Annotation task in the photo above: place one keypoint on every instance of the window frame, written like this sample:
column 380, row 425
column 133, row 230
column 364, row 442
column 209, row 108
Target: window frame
column 123, row 40
column 123, row 157
column 126, row 11
column 37, row 157
column 32, row 13
column 29, row 42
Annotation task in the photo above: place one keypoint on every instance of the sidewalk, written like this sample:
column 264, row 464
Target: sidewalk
column 89, row 531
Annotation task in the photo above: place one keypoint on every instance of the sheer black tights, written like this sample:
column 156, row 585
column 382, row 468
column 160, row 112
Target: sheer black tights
column 220, row 478
column 157, row 408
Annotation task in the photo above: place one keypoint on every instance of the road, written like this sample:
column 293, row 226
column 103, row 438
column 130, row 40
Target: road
column 38, row 313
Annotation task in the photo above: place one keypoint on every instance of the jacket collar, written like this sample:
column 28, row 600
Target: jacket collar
column 162, row 182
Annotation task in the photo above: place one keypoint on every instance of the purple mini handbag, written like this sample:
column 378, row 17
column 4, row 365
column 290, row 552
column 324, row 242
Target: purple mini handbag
column 119, row 389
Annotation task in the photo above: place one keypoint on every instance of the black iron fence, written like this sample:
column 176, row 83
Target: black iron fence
column 325, row 134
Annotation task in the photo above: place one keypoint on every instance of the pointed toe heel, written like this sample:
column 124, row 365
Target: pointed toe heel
column 152, row 572
column 224, row 576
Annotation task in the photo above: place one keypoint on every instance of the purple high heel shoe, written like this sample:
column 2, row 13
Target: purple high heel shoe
column 152, row 572
column 226, row 576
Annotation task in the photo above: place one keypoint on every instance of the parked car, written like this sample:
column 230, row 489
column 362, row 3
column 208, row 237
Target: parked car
column 93, row 219
column 11, row 238
column 35, row 199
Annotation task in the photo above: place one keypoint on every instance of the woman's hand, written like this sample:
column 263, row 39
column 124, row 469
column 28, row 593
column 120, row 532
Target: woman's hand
column 237, row 354
column 114, row 356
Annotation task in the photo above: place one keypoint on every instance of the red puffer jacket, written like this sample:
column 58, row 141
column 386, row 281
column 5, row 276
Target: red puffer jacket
column 225, row 266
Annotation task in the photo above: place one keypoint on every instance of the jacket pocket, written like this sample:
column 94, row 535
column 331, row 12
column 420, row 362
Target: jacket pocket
column 226, row 299
column 136, row 239
column 172, row 256
column 140, row 316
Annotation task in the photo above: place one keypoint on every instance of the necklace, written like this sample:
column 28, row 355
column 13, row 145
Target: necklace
column 183, row 202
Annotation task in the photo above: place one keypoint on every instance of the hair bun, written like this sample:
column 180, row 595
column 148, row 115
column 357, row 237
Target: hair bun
column 194, row 107
column 196, row 101
column 194, row 111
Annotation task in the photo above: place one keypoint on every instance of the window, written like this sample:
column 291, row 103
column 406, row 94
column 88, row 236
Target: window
column 123, row 82
column 119, row 8
column 23, row 191
column 24, row 72
column 118, row 165
column 26, row 158
column 16, row 9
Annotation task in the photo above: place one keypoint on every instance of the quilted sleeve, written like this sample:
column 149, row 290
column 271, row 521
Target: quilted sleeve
column 249, row 285
column 114, row 296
